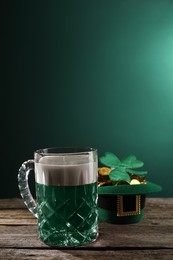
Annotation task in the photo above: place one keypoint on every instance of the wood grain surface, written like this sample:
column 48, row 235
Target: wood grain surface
column 152, row 238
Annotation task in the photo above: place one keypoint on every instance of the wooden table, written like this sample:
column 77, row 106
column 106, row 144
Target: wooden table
column 152, row 238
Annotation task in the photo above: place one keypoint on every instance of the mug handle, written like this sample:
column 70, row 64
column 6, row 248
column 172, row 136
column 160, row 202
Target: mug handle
column 25, row 193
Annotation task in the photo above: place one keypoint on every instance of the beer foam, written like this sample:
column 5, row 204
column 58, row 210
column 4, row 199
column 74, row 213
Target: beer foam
column 68, row 170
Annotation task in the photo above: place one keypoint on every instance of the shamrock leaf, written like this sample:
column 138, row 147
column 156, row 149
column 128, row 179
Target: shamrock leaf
column 131, row 162
column 139, row 173
column 118, row 175
column 122, row 170
column 110, row 160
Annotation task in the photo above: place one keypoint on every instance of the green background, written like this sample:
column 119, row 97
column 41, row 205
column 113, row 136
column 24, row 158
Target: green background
column 90, row 73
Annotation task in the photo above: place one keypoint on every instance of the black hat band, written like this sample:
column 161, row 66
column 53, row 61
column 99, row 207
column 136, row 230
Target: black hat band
column 122, row 205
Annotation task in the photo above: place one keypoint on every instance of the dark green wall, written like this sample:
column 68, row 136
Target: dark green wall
column 96, row 73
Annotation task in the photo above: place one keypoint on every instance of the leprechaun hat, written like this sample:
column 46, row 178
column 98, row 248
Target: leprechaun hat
column 122, row 190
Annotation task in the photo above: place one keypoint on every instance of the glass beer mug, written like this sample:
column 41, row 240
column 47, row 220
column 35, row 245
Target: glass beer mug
column 66, row 194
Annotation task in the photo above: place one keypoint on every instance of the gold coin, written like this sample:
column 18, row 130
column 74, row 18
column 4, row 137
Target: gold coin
column 104, row 184
column 139, row 178
column 104, row 171
column 134, row 182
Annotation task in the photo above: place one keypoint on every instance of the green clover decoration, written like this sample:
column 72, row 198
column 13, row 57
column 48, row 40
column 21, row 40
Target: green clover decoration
column 121, row 170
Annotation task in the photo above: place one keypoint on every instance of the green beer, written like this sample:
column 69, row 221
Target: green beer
column 66, row 191
column 66, row 194
column 67, row 215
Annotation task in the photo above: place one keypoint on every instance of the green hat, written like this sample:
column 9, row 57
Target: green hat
column 123, row 204
column 120, row 201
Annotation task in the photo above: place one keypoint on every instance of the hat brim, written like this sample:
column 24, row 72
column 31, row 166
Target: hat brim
column 149, row 187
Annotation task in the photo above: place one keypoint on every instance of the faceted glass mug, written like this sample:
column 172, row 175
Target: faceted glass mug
column 66, row 194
